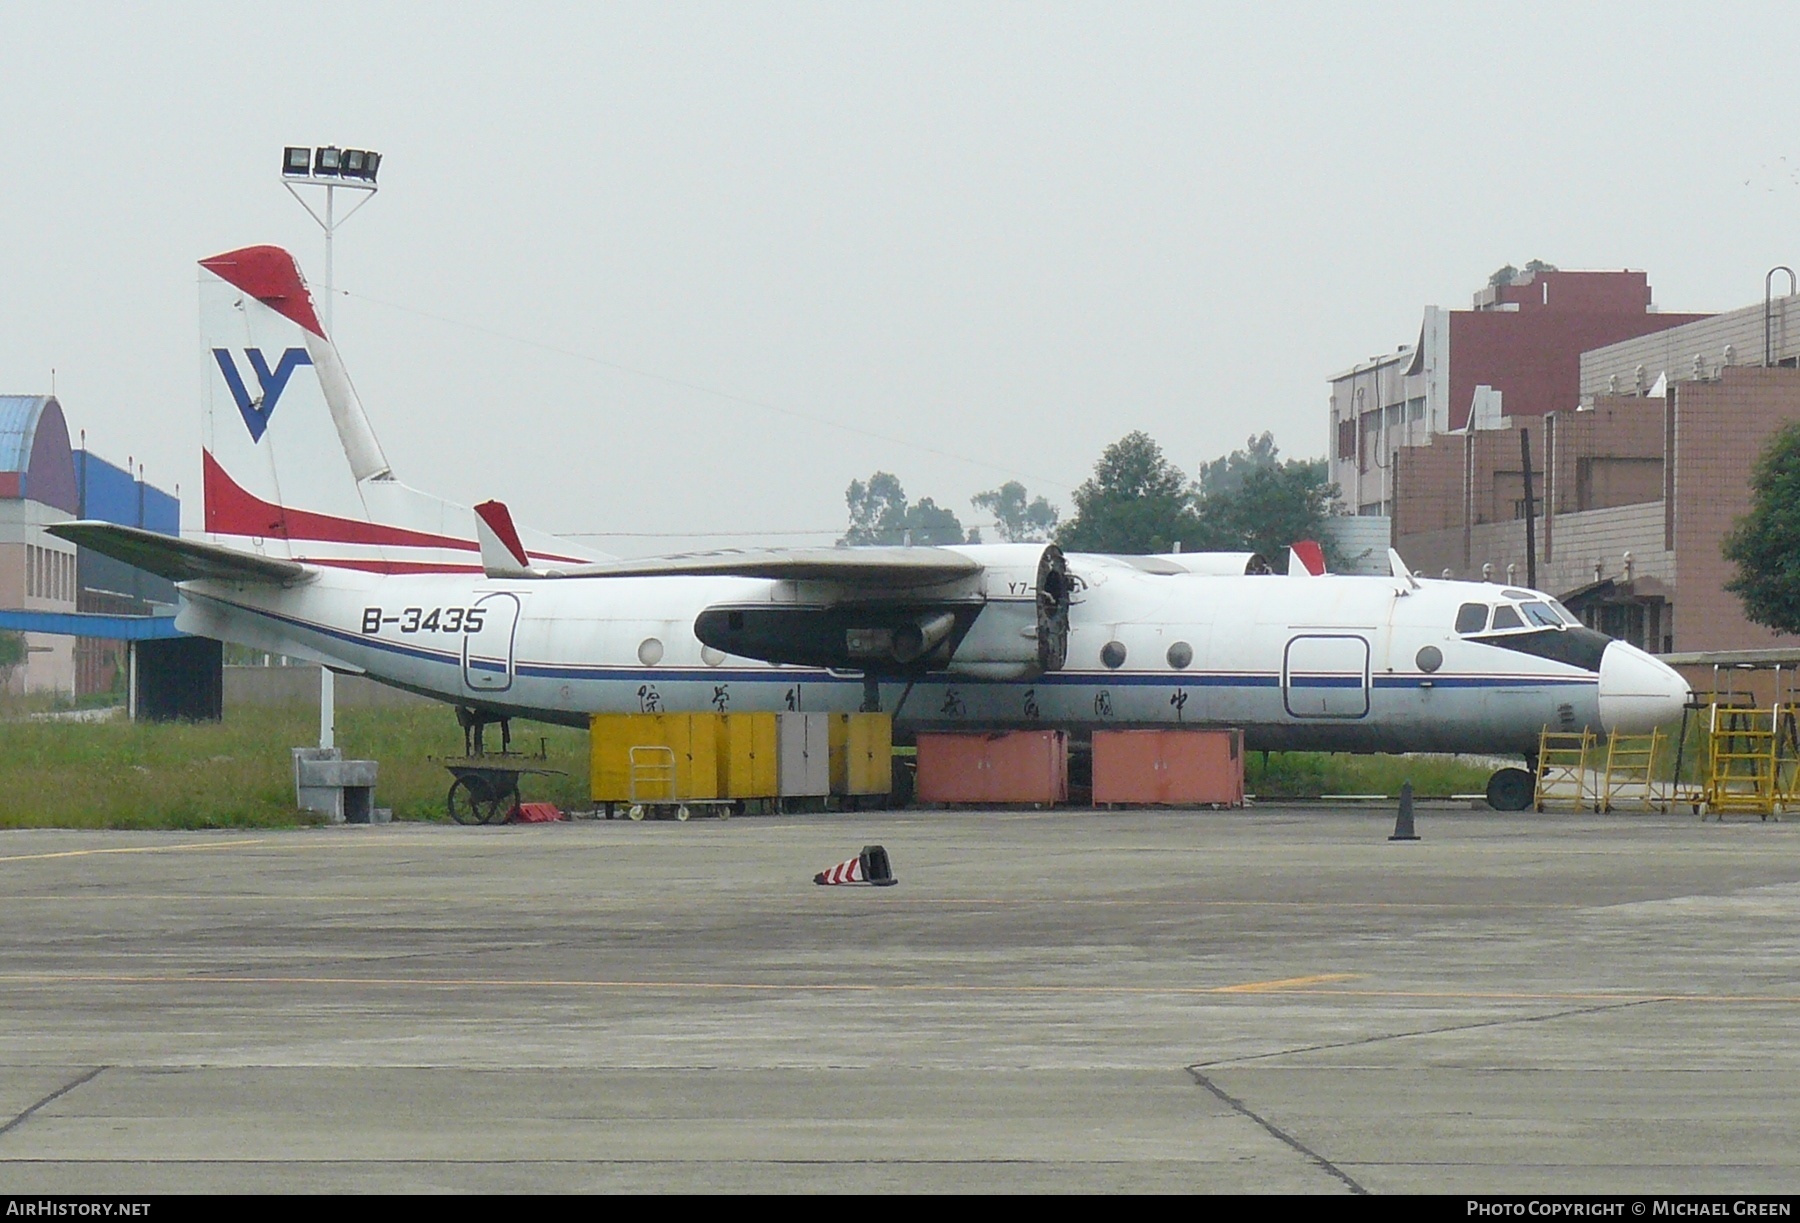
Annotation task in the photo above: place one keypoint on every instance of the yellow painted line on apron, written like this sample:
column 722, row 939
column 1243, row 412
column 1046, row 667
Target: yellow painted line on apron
column 135, row 849
column 1259, row 989
column 1285, row 983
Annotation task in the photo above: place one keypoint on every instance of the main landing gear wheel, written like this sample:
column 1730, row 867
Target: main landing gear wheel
column 636, row 812
column 474, row 801
column 1511, row 790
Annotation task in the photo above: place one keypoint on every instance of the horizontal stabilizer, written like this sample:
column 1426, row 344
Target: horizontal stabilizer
column 877, row 566
column 503, row 555
column 179, row 560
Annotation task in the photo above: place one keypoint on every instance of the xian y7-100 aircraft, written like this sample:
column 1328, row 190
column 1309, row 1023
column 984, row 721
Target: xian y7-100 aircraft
column 313, row 549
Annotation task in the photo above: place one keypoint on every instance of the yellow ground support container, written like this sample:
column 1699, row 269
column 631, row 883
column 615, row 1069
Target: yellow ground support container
column 693, row 737
column 862, row 753
column 749, row 755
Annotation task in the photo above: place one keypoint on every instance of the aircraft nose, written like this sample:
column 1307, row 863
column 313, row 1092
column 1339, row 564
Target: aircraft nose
column 1638, row 693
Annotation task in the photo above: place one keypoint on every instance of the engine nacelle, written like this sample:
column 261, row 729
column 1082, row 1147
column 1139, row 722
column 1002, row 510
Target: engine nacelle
column 1023, row 628
column 1010, row 621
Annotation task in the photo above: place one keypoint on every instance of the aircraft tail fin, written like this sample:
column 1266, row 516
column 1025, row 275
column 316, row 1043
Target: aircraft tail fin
column 291, row 462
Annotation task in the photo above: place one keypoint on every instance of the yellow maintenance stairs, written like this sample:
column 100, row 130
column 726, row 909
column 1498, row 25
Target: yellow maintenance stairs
column 1630, row 779
column 1564, row 758
column 1577, row 773
column 1751, row 760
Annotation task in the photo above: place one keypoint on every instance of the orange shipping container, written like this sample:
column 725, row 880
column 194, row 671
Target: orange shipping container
column 1178, row 768
column 1021, row 766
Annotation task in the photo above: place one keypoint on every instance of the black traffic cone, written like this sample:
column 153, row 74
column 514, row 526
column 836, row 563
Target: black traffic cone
column 1403, row 824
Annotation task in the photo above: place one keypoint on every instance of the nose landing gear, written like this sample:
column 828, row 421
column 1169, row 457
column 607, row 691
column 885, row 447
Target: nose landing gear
column 1511, row 789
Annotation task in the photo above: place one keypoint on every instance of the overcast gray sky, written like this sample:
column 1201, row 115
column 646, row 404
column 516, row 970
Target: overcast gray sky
column 957, row 242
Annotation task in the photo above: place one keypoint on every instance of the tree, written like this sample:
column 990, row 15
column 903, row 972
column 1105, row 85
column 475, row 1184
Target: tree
column 12, row 654
column 1226, row 475
column 1274, row 507
column 1018, row 520
column 1765, row 543
column 1257, row 502
column 877, row 510
column 880, row 514
column 1135, row 502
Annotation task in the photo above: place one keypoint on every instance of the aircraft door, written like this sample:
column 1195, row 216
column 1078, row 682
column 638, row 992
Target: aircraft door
column 1053, row 590
column 488, row 645
column 1326, row 675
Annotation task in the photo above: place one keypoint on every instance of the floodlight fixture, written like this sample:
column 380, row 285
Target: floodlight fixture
column 296, row 161
column 353, row 163
column 327, row 162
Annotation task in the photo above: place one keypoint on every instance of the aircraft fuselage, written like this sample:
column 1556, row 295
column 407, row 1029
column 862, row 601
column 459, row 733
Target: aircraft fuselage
column 1334, row 663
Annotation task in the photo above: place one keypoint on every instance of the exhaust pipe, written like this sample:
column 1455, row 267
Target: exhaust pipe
column 914, row 641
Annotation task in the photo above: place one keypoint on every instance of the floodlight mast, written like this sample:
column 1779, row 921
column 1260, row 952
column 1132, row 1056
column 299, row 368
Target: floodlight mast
column 331, row 168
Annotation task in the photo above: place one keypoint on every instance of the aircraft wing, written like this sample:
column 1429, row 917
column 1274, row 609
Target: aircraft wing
column 179, row 560
column 502, row 556
column 877, row 566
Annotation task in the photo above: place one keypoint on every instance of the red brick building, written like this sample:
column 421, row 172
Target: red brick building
column 1633, row 493
column 1515, row 354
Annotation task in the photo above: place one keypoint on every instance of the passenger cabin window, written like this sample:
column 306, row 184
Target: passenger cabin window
column 1537, row 613
column 1506, row 617
column 1471, row 617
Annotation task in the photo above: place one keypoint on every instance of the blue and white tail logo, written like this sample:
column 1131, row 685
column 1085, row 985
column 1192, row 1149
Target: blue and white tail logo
column 257, row 409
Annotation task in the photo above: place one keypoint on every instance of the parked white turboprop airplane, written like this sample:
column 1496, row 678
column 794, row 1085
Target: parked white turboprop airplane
column 315, row 550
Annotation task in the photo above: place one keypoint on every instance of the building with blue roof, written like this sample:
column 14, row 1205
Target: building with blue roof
column 44, row 481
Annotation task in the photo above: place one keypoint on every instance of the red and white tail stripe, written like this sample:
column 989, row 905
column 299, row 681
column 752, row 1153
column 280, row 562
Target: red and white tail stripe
column 843, row 872
column 292, row 465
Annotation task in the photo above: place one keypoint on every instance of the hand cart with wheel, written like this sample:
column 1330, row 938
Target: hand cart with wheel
column 486, row 788
column 653, row 786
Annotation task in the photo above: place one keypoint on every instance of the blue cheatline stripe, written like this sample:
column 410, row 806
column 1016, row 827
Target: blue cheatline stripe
column 1109, row 679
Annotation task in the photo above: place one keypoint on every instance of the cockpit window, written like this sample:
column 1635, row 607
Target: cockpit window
column 1506, row 617
column 1517, row 594
column 1537, row 613
column 1567, row 615
column 1471, row 617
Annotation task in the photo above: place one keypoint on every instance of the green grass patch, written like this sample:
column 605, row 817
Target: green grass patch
column 238, row 773
column 1310, row 774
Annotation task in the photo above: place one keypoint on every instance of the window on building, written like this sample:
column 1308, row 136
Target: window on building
column 1415, row 408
